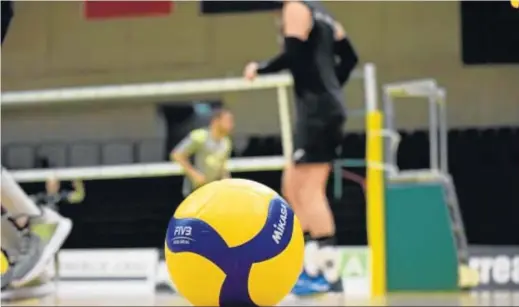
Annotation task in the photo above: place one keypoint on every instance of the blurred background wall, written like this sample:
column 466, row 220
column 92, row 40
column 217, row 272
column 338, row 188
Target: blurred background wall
column 405, row 40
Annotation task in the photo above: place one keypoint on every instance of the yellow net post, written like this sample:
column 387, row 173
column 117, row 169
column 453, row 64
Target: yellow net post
column 375, row 203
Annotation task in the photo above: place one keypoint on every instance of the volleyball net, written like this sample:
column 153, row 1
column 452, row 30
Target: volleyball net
column 281, row 83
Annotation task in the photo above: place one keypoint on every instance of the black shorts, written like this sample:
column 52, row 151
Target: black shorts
column 318, row 142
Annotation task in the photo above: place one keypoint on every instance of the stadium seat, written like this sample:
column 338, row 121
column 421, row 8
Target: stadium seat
column 117, row 153
column 84, row 154
column 151, row 151
column 19, row 157
column 55, row 153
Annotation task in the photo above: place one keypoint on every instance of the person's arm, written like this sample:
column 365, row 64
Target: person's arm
column 78, row 195
column 185, row 149
column 348, row 58
column 297, row 23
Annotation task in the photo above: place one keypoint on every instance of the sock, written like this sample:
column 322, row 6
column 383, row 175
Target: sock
column 307, row 236
column 326, row 241
column 15, row 199
column 329, row 258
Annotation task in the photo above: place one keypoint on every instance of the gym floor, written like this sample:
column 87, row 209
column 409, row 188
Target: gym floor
column 503, row 298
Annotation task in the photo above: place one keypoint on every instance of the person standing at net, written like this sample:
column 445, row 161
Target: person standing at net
column 312, row 41
column 203, row 153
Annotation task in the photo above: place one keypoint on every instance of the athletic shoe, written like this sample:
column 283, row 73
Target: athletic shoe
column 36, row 288
column 307, row 285
column 318, row 271
column 30, row 254
column 21, row 246
column 7, row 278
column 33, row 264
column 337, row 287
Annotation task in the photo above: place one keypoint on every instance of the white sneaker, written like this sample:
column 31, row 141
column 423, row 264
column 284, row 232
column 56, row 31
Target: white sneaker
column 57, row 229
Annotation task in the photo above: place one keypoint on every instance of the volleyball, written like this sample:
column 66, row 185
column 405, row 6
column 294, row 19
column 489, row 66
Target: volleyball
column 234, row 242
column 4, row 263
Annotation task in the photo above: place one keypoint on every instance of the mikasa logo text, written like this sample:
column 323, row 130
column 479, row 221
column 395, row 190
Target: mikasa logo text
column 279, row 228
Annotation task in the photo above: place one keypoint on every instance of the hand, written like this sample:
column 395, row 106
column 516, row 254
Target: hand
column 198, row 179
column 339, row 32
column 251, row 71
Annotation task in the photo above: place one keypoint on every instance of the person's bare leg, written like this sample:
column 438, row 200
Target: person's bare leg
column 289, row 187
column 312, row 195
column 321, row 255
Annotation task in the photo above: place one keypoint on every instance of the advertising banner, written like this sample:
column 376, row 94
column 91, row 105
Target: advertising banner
column 355, row 270
column 497, row 266
column 130, row 271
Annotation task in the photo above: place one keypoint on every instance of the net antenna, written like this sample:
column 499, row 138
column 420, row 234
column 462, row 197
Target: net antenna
column 104, row 94
column 435, row 96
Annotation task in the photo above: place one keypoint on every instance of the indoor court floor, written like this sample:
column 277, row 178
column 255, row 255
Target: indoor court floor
column 504, row 298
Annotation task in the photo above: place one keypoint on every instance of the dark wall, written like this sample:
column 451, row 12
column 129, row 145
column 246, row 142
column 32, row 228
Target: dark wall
column 489, row 32
column 225, row 7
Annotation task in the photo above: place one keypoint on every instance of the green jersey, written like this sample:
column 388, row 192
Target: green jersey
column 209, row 156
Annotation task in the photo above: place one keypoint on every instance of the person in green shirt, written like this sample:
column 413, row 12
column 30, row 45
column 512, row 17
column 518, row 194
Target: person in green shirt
column 203, row 153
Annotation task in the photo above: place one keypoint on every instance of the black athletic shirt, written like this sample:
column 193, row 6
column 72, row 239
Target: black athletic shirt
column 319, row 96
column 7, row 15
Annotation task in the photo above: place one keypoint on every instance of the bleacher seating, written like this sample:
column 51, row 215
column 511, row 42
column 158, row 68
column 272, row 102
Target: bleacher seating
column 491, row 146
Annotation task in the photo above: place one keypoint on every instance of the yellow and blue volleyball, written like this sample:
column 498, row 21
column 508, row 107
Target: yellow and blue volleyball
column 4, row 263
column 234, row 242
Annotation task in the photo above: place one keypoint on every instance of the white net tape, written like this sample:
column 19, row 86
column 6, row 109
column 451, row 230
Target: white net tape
column 161, row 169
